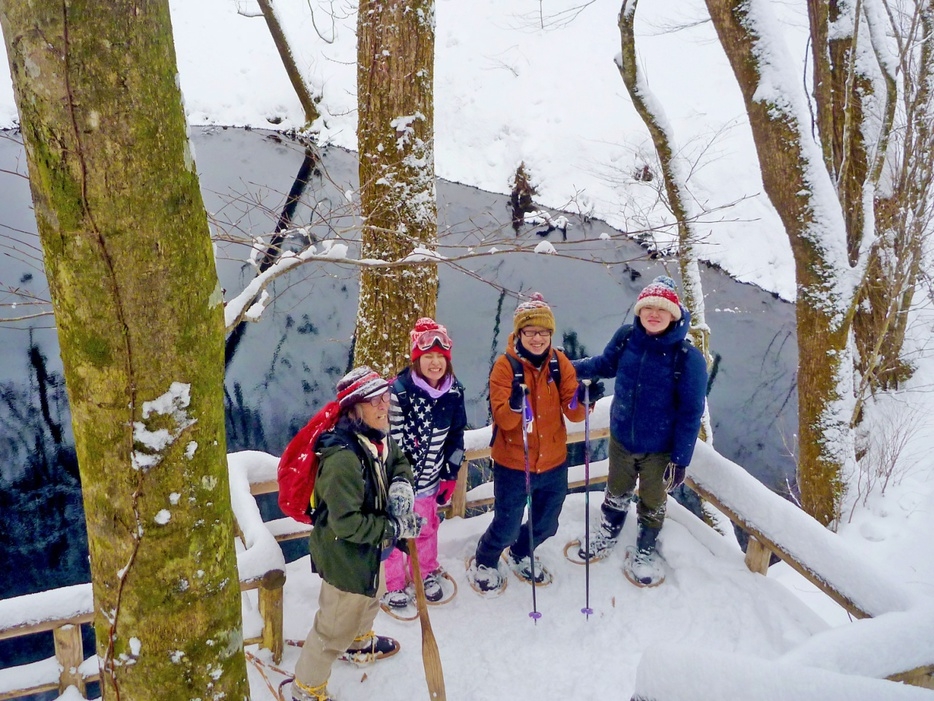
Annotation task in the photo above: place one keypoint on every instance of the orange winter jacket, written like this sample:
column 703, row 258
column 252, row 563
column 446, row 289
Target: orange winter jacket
column 548, row 438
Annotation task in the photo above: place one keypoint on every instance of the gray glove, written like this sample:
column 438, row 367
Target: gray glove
column 401, row 498
column 408, row 525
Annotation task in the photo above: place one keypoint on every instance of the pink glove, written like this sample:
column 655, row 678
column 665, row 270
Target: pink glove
column 446, row 491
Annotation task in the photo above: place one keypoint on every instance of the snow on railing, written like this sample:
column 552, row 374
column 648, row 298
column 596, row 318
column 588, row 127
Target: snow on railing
column 817, row 553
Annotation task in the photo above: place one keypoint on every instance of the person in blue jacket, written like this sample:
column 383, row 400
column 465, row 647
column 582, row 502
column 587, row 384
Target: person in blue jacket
column 658, row 402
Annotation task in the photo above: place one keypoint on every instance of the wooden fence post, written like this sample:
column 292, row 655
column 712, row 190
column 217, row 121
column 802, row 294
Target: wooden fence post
column 270, row 609
column 69, row 652
column 757, row 556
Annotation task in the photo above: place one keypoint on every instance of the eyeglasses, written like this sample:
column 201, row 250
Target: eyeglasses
column 535, row 334
column 433, row 337
column 379, row 399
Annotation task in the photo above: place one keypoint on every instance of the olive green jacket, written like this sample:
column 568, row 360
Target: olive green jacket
column 351, row 523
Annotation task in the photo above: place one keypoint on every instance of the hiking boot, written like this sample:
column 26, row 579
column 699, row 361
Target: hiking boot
column 488, row 579
column 303, row 692
column 398, row 599
column 523, row 568
column 433, row 590
column 601, row 543
column 370, row 648
column 646, row 567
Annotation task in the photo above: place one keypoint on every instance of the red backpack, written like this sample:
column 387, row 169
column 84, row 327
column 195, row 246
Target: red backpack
column 298, row 466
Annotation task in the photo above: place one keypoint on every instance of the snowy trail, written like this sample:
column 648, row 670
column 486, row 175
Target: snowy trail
column 491, row 649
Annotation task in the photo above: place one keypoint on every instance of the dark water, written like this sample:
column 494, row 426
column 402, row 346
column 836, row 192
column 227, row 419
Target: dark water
column 283, row 368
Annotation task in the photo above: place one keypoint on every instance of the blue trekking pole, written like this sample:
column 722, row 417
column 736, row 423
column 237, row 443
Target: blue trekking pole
column 587, row 611
column 526, row 421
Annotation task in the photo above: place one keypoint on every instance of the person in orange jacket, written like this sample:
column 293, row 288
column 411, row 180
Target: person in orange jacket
column 530, row 344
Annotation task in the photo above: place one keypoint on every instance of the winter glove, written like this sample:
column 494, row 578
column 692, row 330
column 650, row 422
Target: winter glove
column 446, row 492
column 674, row 476
column 408, row 525
column 515, row 399
column 597, row 391
column 401, row 498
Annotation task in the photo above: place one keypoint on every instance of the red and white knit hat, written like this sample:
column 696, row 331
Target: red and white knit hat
column 660, row 293
column 428, row 335
column 359, row 385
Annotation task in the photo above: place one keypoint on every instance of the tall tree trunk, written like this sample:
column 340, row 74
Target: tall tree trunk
column 395, row 135
column 799, row 187
column 139, row 315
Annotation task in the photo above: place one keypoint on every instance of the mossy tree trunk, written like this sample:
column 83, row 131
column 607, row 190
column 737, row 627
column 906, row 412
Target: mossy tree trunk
column 799, row 186
column 139, row 315
column 395, row 135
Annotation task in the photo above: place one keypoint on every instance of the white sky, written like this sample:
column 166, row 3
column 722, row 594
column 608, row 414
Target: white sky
column 509, row 90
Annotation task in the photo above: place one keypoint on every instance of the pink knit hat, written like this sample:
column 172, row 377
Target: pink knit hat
column 428, row 335
column 660, row 293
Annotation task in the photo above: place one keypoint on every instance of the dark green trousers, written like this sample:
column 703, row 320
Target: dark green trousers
column 648, row 469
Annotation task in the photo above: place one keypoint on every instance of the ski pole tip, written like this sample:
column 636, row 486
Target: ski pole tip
column 535, row 615
column 587, row 611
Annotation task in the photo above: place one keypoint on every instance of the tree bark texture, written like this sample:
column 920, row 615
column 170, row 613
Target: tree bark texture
column 824, row 362
column 395, row 134
column 139, row 315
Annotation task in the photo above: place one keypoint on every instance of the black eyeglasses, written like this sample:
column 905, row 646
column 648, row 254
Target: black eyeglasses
column 535, row 334
column 379, row 399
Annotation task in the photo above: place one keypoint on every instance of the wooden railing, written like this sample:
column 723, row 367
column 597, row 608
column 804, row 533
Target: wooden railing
column 69, row 668
column 704, row 478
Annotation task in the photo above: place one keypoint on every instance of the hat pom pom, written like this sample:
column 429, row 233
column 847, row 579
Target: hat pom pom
column 666, row 281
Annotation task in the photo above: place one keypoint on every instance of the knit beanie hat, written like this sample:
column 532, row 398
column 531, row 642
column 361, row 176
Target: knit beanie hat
column 534, row 312
column 660, row 293
column 359, row 385
column 428, row 335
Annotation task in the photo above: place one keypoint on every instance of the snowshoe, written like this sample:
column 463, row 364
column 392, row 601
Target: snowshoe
column 400, row 604
column 601, row 547
column 644, row 568
column 523, row 570
column 370, row 648
column 488, row 582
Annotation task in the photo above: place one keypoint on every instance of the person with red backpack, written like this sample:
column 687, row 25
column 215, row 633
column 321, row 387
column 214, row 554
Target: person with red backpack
column 427, row 418
column 364, row 499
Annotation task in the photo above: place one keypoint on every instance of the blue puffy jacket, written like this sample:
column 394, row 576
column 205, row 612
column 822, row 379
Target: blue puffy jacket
column 651, row 412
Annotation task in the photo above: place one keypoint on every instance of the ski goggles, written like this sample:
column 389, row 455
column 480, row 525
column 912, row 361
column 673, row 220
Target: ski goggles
column 433, row 337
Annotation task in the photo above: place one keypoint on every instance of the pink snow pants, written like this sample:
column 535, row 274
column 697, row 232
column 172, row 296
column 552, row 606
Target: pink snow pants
column 426, row 544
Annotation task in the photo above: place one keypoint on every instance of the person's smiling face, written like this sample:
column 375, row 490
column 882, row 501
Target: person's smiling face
column 655, row 320
column 535, row 338
column 433, row 366
column 374, row 411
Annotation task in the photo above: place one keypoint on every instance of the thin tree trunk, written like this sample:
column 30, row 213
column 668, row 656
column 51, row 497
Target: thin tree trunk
column 139, row 315
column 288, row 61
column 674, row 175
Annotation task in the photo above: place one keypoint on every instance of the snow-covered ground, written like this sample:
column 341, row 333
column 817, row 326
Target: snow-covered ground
column 535, row 82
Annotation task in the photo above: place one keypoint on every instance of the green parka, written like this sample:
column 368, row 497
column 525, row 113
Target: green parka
column 351, row 523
